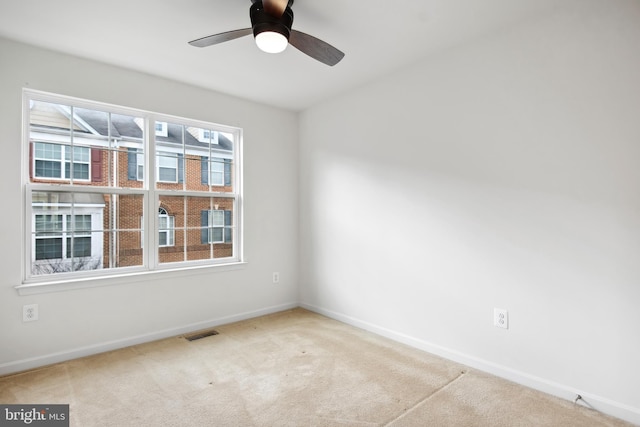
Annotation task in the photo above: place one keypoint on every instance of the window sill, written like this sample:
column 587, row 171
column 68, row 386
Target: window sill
column 120, row 279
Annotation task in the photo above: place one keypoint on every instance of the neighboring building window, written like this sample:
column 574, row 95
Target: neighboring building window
column 216, row 177
column 170, row 166
column 167, row 167
column 64, row 241
column 166, row 228
column 54, row 161
column 219, row 227
column 162, row 129
column 86, row 194
column 139, row 171
column 57, row 236
column 216, row 171
column 207, row 135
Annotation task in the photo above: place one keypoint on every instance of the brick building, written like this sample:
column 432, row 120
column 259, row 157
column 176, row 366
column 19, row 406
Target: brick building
column 104, row 153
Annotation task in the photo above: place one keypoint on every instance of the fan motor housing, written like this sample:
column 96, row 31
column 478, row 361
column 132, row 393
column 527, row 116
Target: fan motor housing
column 261, row 21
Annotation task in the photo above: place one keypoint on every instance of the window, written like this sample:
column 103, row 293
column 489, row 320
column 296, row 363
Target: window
column 161, row 129
column 216, row 171
column 166, row 230
column 207, row 135
column 63, row 238
column 219, row 226
column 54, row 161
column 167, row 167
column 88, row 193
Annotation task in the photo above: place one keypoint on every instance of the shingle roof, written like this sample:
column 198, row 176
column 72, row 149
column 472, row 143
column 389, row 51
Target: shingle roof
column 123, row 126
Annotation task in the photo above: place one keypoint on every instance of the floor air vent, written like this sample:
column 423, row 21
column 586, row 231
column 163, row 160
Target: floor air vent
column 201, row 334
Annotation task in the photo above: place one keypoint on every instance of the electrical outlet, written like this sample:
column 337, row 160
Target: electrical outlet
column 501, row 318
column 30, row 313
column 276, row 277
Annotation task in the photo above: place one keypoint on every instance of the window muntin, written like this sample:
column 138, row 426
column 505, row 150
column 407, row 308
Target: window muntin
column 104, row 149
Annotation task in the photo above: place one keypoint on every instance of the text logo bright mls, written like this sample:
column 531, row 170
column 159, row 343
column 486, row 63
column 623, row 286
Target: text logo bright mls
column 34, row 415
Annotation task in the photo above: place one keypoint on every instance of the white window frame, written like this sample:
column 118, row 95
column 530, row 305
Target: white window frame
column 150, row 196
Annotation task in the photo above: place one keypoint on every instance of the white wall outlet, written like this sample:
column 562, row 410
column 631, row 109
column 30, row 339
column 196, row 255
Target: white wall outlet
column 276, row 277
column 30, row 312
column 500, row 318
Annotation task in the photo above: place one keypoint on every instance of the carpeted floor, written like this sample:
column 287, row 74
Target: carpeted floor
column 294, row 368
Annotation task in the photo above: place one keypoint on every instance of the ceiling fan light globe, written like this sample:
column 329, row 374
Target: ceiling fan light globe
column 271, row 42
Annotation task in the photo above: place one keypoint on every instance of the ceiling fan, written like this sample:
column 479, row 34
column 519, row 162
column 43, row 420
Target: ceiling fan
column 271, row 22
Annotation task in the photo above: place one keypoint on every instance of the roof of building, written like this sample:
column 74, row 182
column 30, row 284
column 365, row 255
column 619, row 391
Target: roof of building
column 129, row 127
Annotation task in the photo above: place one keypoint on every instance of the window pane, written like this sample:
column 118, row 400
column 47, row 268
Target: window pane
column 207, row 164
column 171, row 229
column 167, row 175
column 162, row 238
column 208, row 233
column 54, row 216
column 81, row 248
column 80, row 171
column 48, row 160
column 47, row 225
column 170, row 156
column 217, row 218
column 130, row 150
column 78, row 224
column 167, row 167
column 124, row 234
column 85, row 231
column 217, row 171
column 48, row 151
column 46, row 169
column 130, row 253
column 48, row 248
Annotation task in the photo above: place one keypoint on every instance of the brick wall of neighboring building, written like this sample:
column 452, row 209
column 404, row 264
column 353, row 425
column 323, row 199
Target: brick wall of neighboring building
column 122, row 240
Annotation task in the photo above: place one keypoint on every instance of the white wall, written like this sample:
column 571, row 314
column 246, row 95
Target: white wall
column 82, row 321
column 503, row 173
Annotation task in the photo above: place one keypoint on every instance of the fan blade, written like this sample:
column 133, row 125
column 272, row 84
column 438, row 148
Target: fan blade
column 275, row 7
column 315, row 48
column 220, row 38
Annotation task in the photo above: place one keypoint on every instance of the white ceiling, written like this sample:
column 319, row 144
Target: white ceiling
column 377, row 36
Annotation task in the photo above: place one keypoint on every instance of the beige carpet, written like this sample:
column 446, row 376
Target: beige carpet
column 293, row 368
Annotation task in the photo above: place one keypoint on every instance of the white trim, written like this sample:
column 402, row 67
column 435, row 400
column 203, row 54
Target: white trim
column 149, row 190
column 125, row 275
column 36, row 362
column 598, row 403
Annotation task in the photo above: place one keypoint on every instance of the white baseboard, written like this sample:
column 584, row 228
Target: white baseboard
column 601, row 404
column 49, row 359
